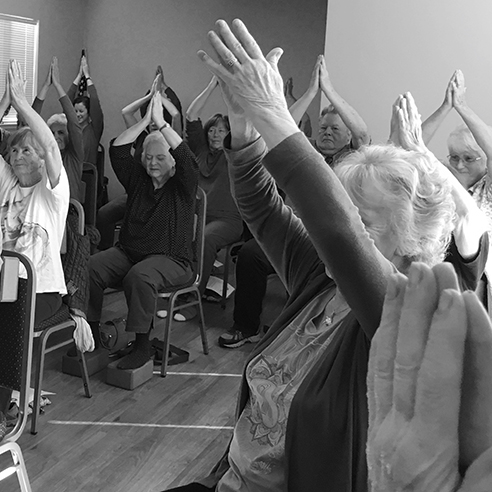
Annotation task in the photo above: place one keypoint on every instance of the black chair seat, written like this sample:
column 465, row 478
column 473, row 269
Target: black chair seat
column 62, row 315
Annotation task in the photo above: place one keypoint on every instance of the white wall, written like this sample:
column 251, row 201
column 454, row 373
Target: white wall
column 377, row 49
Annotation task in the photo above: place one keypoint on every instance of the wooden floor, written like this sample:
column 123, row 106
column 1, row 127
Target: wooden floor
column 163, row 434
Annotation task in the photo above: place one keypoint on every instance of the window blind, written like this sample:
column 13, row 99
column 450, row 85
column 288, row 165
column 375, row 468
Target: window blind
column 19, row 40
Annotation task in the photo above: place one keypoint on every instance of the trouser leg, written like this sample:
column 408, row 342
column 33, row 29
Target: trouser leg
column 107, row 217
column 218, row 233
column 141, row 285
column 252, row 270
column 106, row 268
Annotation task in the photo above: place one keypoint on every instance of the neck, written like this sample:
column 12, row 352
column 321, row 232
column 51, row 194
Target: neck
column 28, row 181
column 159, row 183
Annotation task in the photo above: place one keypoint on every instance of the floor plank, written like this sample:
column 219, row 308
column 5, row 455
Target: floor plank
column 91, row 445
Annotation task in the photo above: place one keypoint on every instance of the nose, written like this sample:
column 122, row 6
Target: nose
column 460, row 165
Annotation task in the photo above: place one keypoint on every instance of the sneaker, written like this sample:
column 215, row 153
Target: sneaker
column 235, row 339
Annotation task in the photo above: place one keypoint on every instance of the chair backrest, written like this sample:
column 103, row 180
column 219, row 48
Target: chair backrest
column 16, row 335
column 79, row 218
column 199, row 233
column 89, row 176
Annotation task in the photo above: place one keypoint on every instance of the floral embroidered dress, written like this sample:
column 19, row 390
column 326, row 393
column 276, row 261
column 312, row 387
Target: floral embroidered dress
column 257, row 452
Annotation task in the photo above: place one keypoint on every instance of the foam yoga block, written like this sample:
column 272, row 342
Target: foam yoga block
column 128, row 378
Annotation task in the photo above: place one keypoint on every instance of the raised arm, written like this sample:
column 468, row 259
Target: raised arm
column 298, row 109
column 172, row 138
column 97, row 117
column 43, row 91
column 479, row 129
column 353, row 121
column 197, row 105
column 470, row 223
column 131, row 134
column 40, row 129
column 128, row 112
column 329, row 216
column 434, row 121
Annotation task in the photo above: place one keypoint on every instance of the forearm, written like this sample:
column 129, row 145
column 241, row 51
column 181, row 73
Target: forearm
column 479, row 129
column 433, row 122
column 97, row 117
column 243, row 133
column 128, row 111
column 131, row 134
column 43, row 92
column 351, row 118
column 298, row 108
column 4, row 104
column 72, row 91
column 199, row 102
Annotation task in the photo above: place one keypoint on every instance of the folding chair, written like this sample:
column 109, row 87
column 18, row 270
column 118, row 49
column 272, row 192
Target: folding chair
column 190, row 287
column 61, row 320
column 16, row 339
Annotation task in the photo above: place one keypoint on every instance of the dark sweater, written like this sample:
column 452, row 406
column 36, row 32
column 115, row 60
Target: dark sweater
column 214, row 174
column 157, row 222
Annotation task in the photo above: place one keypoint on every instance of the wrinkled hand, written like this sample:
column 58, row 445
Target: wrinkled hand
column 409, row 124
column 234, row 109
column 55, row 72
column 394, row 136
column 156, row 84
column 85, row 67
column 314, row 83
column 49, row 77
column 324, row 76
column 288, row 87
column 448, row 95
column 16, row 84
column 458, row 90
column 253, row 78
column 157, row 113
column 414, row 383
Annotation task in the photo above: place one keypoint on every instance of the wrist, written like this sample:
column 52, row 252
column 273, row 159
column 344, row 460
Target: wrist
column 163, row 126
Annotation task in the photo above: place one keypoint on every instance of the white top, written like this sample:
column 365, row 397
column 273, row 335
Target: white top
column 33, row 221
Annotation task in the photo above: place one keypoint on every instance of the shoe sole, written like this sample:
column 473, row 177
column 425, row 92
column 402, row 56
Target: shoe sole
column 240, row 343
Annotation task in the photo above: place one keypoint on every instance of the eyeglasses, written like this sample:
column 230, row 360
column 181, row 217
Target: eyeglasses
column 455, row 159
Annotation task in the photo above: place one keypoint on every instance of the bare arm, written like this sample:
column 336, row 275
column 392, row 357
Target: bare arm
column 470, row 224
column 479, row 129
column 172, row 138
column 434, row 121
column 53, row 160
column 131, row 134
column 352, row 119
column 128, row 112
column 197, row 105
column 298, row 109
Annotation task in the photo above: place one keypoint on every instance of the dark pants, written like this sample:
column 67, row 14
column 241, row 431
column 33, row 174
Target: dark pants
column 218, row 233
column 107, row 217
column 252, row 270
column 141, row 281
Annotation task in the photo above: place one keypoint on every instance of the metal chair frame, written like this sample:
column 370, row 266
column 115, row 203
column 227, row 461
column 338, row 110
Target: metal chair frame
column 44, row 335
column 174, row 292
column 9, row 444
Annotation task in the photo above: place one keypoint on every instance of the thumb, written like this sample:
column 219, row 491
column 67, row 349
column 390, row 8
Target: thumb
column 274, row 56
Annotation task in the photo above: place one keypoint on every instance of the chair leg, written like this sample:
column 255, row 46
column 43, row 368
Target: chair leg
column 18, row 460
column 38, row 378
column 85, row 374
column 167, row 335
column 225, row 277
column 203, row 328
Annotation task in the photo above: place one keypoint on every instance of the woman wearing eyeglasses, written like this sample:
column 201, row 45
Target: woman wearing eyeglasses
column 470, row 154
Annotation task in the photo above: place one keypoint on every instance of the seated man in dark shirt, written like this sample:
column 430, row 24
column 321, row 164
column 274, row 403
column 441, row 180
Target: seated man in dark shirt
column 154, row 248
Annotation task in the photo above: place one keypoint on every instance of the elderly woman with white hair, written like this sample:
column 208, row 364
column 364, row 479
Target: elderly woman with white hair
column 66, row 129
column 154, row 249
column 302, row 413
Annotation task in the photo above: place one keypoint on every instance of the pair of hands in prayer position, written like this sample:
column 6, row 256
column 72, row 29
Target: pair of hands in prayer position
column 429, row 379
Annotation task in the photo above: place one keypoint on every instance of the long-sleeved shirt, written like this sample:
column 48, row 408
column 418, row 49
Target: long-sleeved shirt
column 73, row 153
column 157, row 221
column 92, row 132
